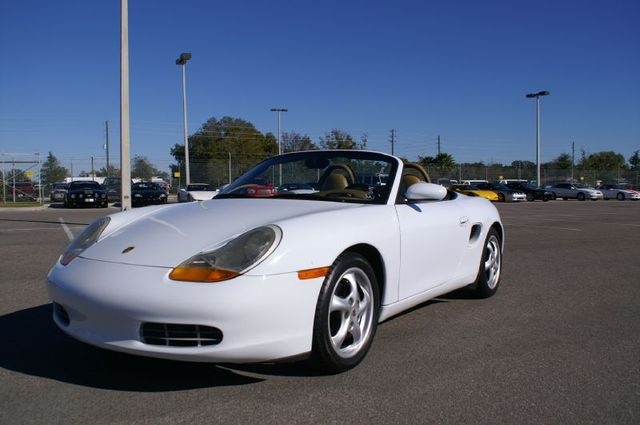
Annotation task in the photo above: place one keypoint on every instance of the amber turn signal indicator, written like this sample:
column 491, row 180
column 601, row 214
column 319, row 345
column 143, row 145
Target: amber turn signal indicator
column 201, row 274
column 313, row 273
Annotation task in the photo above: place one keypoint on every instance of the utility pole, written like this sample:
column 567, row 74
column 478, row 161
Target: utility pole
column 106, row 145
column 438, row 144
column 393, row 141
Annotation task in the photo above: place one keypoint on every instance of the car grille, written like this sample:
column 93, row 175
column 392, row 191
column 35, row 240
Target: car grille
column 176, row 335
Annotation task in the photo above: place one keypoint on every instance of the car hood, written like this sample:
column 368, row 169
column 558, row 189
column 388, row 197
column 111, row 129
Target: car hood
column 167, row 236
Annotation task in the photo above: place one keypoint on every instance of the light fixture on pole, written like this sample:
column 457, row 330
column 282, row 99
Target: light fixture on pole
column 537, row 97
column 182, row 60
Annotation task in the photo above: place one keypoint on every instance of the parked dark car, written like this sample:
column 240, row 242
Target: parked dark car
column 86, row 193
column 59, row 192
column 532, row 192
column 112, row 185
column 147, row 193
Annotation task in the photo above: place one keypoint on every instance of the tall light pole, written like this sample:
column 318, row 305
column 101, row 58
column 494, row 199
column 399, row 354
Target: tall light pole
column 279, row 111
column 537, row 97
column 125, row 155
column 182, row 60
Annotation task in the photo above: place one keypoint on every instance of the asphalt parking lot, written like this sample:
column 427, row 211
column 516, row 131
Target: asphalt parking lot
column 559, row 343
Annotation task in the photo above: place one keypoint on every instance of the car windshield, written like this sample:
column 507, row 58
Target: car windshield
column 84, row 185
column 145, row 186
column 345, row 176
column 199, row 187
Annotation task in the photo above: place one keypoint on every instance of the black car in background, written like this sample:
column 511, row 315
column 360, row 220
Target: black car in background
column 86, row 193
column 532, row 192
column 112, row 186
column 147, row 193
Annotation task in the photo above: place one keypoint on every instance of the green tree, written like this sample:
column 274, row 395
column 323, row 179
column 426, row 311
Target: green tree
column 143, row 169
column 563, row 161
column 52, row 171
column 222, row 144
column 442, row 161
column 295, row 142
column 634, row 160
column 606, row 160
column 340, row 139
column 112, row 171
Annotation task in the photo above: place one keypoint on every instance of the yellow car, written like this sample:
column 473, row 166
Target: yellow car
column 472, row 191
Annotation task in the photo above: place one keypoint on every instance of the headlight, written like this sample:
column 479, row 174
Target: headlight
column 85, row 239
column 233, row 259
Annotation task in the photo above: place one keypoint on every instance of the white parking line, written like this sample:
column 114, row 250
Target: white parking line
column 66, row 229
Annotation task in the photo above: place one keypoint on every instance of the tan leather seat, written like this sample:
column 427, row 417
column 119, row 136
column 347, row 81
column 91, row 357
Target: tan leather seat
column 409, row 179
column 334, row 181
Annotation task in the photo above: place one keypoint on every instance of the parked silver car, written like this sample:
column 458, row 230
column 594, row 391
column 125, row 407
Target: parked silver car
column 619, row 192
column 575, row 191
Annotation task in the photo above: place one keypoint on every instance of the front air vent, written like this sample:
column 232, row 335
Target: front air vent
column 476, row 230
column 61, row 314
column 177, row 335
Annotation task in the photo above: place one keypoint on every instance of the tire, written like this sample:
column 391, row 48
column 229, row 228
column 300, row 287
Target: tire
column 501, row 197
column 530, row 197
column 346, row 316
column 490, row 267
column 581, row 196
column 620, row 196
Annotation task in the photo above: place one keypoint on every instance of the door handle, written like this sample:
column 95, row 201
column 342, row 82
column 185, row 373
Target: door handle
column 464, row 220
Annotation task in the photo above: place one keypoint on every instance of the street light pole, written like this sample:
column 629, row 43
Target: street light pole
column 125, row 155
column 182, row 60
column 279, row 111
column 537, row 97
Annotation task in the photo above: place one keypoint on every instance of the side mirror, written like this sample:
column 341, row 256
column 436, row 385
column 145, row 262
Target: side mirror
column 426, row 192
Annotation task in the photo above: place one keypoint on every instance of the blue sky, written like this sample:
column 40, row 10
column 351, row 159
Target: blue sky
column 458, row 69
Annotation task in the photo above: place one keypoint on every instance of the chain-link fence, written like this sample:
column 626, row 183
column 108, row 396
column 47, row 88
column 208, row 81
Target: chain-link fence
column 20, row 178
column 221, row 171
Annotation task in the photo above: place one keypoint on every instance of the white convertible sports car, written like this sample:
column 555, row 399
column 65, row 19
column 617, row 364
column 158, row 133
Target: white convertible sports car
column 259, row 274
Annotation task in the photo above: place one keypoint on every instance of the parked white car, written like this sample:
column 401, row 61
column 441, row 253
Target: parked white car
column 196, row 192
column 256, row 278
column 619, row 192
column 574, row 191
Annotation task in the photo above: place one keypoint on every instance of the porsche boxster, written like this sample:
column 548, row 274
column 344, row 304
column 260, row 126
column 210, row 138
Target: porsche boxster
column 299, row 273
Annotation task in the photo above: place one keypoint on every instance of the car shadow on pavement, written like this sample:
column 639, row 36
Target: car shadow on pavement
column 33, row 345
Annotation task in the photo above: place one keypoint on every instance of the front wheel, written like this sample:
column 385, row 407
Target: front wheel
column 346, row 315
column 488, row 278
column 581, row 196
column 620, row 196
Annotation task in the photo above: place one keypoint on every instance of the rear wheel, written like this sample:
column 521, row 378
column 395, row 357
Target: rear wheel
column 530, row 197
column 488, row 278
column 346, row 315
column 581, row 196
column 501, row 197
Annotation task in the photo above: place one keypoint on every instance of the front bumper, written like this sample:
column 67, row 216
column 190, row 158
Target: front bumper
column 262, row 318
